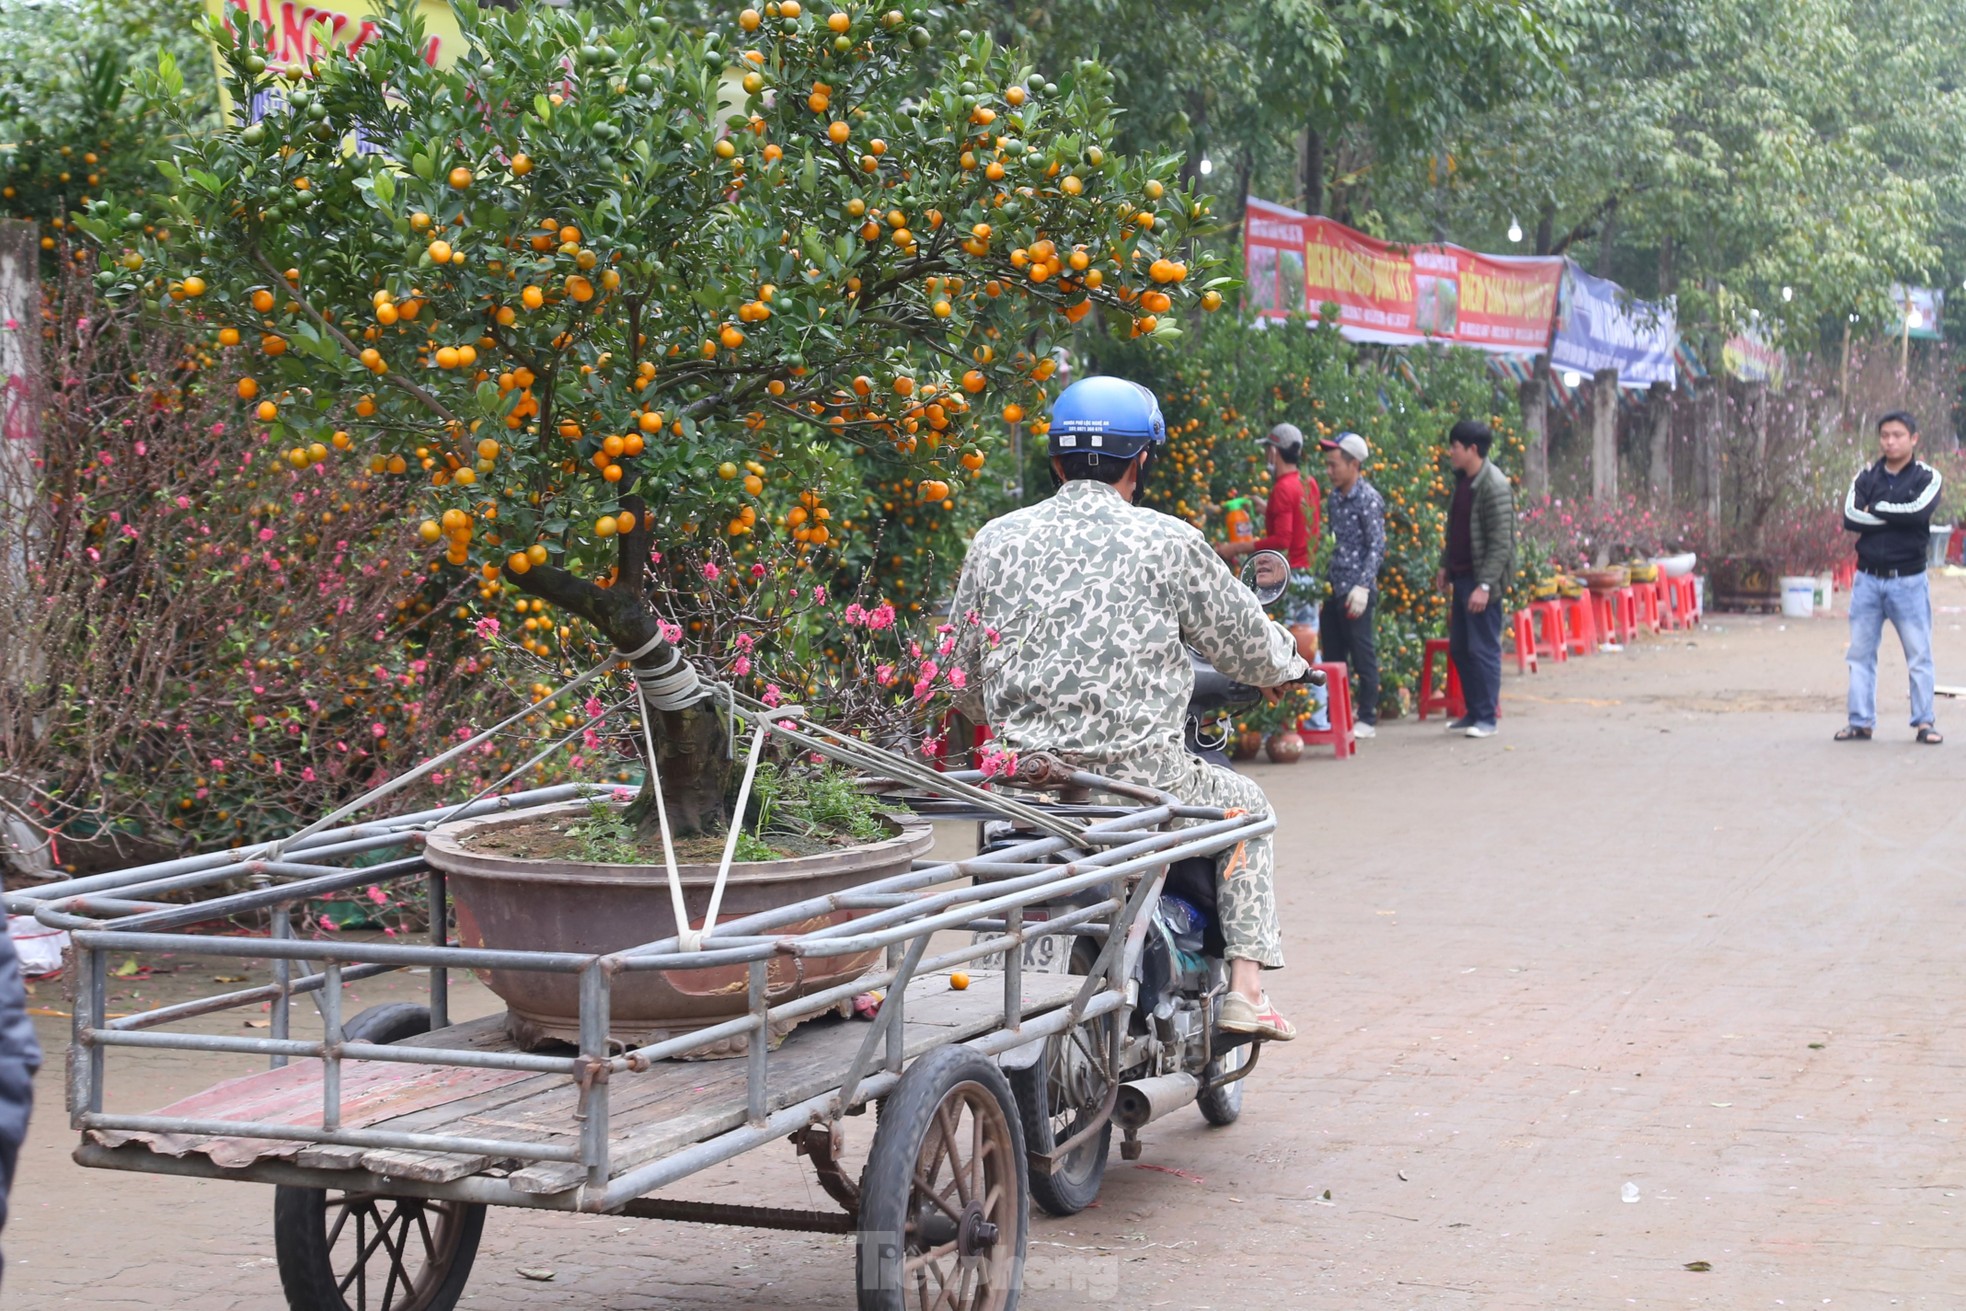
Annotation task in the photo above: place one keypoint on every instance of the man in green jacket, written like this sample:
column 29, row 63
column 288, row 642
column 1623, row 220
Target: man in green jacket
column 1478, row 562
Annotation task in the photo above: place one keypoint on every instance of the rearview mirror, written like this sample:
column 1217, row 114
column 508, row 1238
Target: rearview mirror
column 1266, row 573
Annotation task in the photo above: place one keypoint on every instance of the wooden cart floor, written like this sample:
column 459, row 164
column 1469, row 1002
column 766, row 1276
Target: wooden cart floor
column 650, row 1114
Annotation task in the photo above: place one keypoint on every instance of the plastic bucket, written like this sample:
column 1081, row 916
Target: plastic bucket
column 1935, row 555
column 1799, row 597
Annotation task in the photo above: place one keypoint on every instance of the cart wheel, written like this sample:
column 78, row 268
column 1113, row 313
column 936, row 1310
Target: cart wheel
column 367, row 1252
column 1058, row 1096
column 944, row 1210
column 1221, row 1106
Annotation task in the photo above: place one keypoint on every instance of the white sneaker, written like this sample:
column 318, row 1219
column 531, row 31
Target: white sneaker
column 1364, row 730
column 1481, row 730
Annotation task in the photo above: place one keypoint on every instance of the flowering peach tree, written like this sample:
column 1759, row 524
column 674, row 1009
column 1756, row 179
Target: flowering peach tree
column 608, row 287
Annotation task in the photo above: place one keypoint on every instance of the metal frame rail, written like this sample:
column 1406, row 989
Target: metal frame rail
column 121, row 913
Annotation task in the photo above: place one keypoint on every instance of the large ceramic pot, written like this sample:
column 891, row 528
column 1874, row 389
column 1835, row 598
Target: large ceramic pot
column 506, row 902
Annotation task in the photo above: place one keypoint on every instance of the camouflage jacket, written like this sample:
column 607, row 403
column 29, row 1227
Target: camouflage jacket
column 1074, row 618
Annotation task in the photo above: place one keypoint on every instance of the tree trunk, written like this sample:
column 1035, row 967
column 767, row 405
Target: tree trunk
column 1534, row 395
column 1604, row 434
column 1706, row 448
column 1313, row 171
column 1545, row 229
column 689, row 743
column 1659, row 462
column 1607, row 238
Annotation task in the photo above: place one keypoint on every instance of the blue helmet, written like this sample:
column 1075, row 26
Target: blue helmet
column 1105, row 416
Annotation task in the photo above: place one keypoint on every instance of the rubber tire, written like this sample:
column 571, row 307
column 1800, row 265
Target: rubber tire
column 1221, row 1106
column 1060, row 1194
column 887, row 1182
column 300, row 1214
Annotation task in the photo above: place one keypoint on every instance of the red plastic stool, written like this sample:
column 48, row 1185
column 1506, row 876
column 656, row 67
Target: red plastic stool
column 1662, row 604
column 1525, row 644
column 1580, row 623
column 1686, row 601
column 1337, row 682
column 1443, row 694
column 940, row 754
column 1546, row 618
column 1645, row 600
column 1618, row 615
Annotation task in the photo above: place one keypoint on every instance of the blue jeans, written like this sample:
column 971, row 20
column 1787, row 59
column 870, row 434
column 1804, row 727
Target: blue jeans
column 1907, row 603
column 1474, row 642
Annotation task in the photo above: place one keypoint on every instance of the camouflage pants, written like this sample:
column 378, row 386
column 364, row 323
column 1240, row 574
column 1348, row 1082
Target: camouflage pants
column 1246, row 895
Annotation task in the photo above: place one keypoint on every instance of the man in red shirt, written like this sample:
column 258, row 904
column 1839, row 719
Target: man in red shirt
column 1290, row 515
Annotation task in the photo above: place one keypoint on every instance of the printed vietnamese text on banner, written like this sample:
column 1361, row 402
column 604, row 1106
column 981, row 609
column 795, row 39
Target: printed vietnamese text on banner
column 1297, row 263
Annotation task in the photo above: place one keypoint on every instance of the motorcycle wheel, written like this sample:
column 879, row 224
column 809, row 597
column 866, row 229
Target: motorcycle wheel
column 1221, row 1106
column 1057, row 1096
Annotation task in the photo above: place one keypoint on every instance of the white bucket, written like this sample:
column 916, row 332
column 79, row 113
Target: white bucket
column 1826, row 593
column 1798, row 597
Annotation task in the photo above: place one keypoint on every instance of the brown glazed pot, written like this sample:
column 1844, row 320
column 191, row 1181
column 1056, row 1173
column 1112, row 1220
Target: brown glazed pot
column 1286, row 747
column 1248, row 744
column 513, row 904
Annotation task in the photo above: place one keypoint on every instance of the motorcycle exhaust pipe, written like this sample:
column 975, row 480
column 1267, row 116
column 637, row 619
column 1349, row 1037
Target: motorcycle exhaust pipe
column 1146, row 1100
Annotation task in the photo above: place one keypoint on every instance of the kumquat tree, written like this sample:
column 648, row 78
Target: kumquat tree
column 608, row 285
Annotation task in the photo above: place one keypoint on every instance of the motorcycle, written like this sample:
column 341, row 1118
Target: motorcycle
column 1166, row 1051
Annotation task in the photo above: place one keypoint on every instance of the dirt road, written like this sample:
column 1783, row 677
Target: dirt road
column 1660, row 976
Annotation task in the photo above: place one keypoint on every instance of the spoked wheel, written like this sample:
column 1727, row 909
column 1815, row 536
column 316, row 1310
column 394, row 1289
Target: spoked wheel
column 1061, row 1095
column 363, row 1252
column 944, row 1209
column 366, row 1251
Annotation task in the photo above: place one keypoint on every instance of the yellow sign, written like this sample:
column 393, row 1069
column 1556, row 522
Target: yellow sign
column 297, row 33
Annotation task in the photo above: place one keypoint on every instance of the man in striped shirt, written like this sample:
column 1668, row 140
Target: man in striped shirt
column 1889, row 506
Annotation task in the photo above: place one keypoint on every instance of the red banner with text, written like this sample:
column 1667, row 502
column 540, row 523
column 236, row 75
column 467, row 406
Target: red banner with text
column 1297, row 263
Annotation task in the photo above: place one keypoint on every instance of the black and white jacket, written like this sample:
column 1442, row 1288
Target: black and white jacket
column 1891, row 513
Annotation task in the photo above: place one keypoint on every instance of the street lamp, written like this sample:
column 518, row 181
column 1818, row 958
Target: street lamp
column 1788, row 294
column 1206, row 166
column 1515, row 230
column 1572, row 378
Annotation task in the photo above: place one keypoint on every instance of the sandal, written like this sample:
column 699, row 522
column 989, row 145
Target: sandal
column 1851, row 733
column 1930, row 736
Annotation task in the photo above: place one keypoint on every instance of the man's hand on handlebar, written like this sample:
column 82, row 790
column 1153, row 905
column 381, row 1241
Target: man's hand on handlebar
column 1313, row 677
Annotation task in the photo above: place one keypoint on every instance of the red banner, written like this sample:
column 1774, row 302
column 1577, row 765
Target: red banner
column 1296, row 263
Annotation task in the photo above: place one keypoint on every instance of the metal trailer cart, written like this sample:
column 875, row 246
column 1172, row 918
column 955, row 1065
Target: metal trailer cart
column 388, row 1136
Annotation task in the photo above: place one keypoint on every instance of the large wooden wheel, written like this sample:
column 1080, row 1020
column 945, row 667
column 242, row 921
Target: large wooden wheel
column 368, row 1251
column 944, row 1208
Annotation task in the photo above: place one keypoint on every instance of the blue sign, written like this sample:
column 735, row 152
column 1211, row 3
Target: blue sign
column 1599, row 326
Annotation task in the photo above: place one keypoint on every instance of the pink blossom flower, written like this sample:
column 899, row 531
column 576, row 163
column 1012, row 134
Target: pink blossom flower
column 624, row 794
column 328, row 925
column 772, row 696
column 184, row 502
column 266, row 534
column 884, row 675
column 379, row 728
column 746, row 642
column 819, row 594
column 882, row 617
column 741, row 666
column 958, row 679
column 590, row 740
column 854, row 614
column 487, row 627
column 307, row 774
column 757, row 571
column 670, row 632
column 378, row 896
column 929, row 670
column 710, row 570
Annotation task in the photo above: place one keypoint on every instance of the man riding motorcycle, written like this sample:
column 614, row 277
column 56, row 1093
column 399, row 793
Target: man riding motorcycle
column 1074, row 618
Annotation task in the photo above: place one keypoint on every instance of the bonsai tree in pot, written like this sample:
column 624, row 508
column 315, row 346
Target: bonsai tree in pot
column 599, row 279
